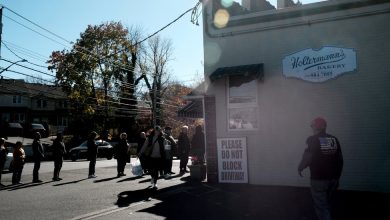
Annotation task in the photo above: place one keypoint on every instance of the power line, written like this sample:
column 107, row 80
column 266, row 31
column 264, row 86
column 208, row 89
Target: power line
column 24, row 74
column 36, row 31
column 25, row 51
column 28, row 67
column 96, row 57
column 169, row 24
column 38, row 25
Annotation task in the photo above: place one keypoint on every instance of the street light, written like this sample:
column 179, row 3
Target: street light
column 5, row 69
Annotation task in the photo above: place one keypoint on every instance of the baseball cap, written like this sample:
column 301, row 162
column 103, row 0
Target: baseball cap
column 319, row 123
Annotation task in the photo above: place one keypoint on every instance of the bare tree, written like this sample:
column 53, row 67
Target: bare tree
column 154, row 70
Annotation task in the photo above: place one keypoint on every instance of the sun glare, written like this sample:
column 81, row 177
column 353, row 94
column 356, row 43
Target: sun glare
column 221, row 18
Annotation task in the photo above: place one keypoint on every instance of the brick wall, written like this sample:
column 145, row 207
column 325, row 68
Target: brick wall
column 211, row 139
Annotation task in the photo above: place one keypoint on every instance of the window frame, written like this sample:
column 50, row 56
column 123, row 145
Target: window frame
column 252, row 105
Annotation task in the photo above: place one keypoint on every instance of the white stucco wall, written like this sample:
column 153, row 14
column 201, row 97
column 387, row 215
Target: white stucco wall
column 356, row 105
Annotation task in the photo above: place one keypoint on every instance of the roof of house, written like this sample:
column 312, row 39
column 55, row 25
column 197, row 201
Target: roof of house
column 20, row 87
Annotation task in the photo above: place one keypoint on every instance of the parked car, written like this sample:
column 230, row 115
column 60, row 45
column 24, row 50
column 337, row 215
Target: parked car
column 105, row 150
column 8, row 160
column 34, row 127
column 11, row 130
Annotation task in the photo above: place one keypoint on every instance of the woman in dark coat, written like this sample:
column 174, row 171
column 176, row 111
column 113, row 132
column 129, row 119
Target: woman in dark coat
column 121, row 155
column 153, row 149
column 197, row 144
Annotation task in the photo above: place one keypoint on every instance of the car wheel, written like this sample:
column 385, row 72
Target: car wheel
column 74, row 156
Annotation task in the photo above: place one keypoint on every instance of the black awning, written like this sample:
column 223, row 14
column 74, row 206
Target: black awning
column 244, row 70
column 194, row 109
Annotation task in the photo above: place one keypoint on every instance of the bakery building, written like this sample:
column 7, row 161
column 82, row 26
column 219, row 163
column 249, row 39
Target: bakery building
column 271, row 67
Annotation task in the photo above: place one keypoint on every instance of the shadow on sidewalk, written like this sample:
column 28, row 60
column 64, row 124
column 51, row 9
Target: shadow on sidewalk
column 131, row 179
column 71, row 182
column 23, row 186
column 106, row 179
column 199, row 200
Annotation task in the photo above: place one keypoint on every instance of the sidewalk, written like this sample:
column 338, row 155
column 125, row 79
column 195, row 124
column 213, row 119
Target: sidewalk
column 182, row 198
column 199, row 200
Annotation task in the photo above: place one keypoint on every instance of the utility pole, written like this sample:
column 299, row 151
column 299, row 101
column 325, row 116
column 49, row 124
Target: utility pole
column 1, row 27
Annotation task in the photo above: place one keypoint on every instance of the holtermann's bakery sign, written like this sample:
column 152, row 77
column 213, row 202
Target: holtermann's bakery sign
column 319, row 65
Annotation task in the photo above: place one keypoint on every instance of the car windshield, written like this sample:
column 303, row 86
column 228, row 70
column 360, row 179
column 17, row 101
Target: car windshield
column 37, row 126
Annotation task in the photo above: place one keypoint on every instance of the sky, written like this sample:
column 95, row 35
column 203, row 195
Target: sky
column 69, row 18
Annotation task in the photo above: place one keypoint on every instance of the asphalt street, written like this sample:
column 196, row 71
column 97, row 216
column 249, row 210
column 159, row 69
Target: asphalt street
column 76, row 196
column 107, row 197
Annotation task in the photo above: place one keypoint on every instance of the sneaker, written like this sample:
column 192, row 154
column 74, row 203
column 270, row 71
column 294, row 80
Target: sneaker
column 122, row 174
column 167, row 176
column 171, row 173
column 91, row 176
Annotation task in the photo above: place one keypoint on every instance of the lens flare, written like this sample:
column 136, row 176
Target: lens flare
column 221, row 18
column 227, row 3
column 212, row 53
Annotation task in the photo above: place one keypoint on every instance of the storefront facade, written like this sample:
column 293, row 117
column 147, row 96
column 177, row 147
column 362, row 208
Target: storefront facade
column 269, row 72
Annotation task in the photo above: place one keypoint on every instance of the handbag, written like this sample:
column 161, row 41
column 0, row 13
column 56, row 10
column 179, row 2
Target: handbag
column 136, row 168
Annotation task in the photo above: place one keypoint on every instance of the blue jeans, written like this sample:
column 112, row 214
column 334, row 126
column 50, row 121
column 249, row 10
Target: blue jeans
column 322, row 192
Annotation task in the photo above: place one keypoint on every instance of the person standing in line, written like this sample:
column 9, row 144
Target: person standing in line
column 3, row 157
column 38, row 155
column 183, row 144
column 58, row 155
column 197, row 144
column 141, row 140
column 153, row 149
column 92, row 154
column 171, row 145
column 17, row 163
column 324, row 158
column 121, row 155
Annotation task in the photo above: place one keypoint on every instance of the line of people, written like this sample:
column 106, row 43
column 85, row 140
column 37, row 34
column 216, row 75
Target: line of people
column 155, row 151
column 19, row 156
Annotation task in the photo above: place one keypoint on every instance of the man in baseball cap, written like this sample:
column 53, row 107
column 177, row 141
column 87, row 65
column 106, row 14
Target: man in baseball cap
column 324, row 158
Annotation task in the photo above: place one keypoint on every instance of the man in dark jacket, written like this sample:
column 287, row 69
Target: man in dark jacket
column 38, row 155
column 183, row 144
column 92, row 149
column 323, row 156
column 58, row 154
